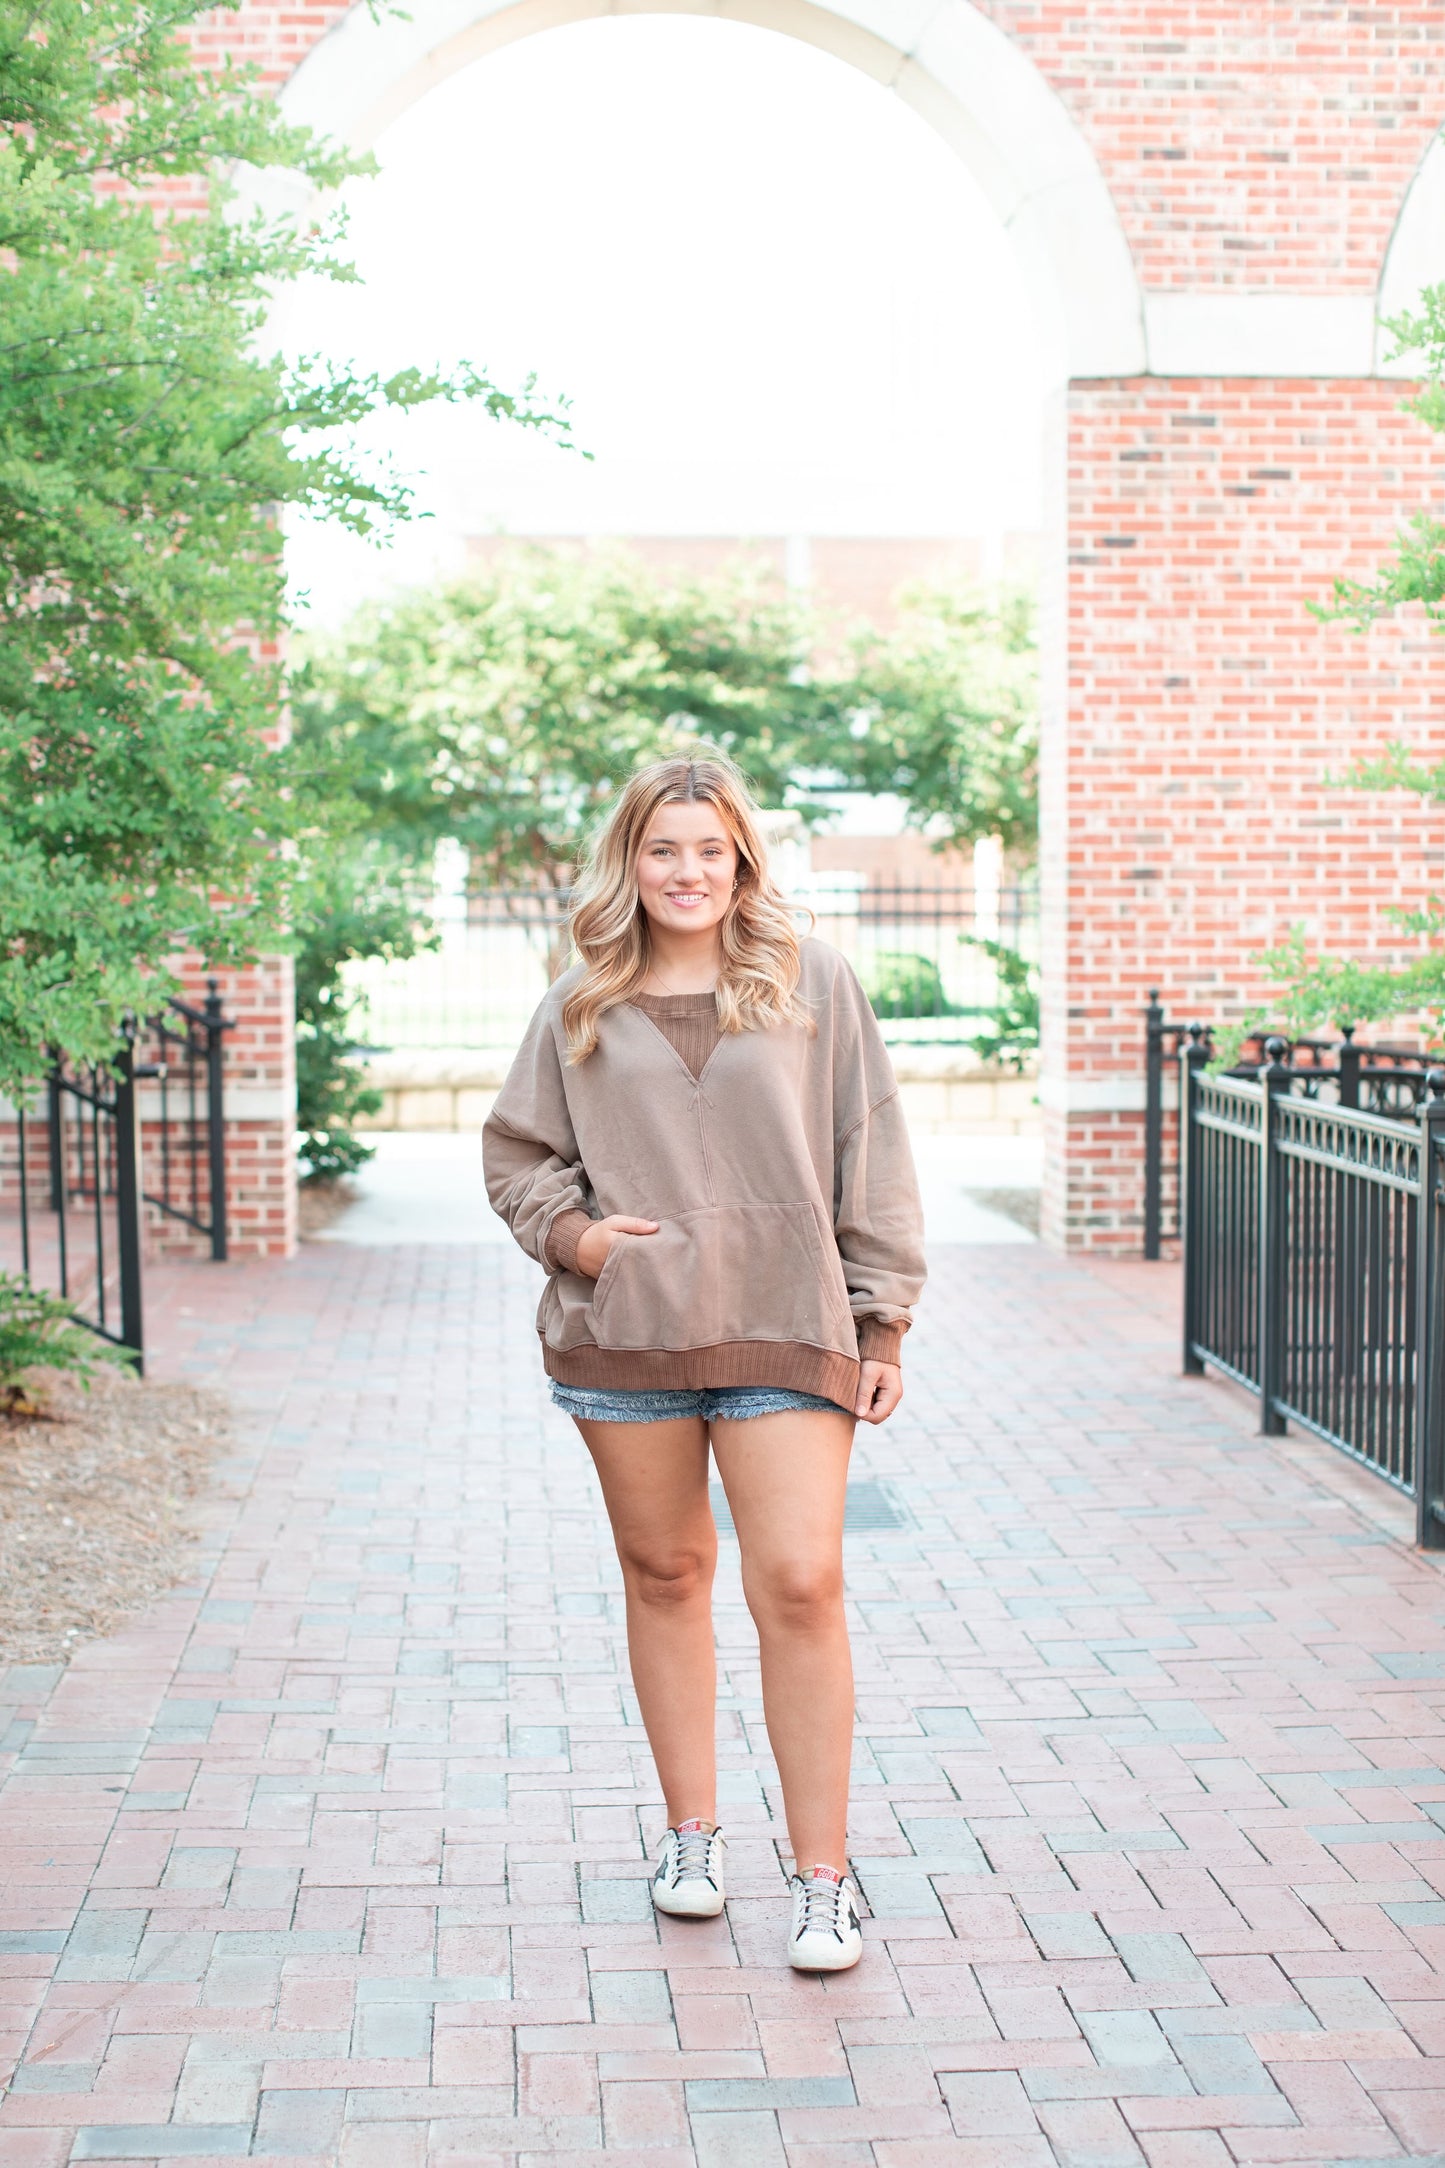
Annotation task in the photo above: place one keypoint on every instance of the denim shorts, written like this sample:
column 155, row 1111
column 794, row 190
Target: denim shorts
column 733, row 1403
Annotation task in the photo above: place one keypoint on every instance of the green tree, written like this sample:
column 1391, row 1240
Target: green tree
column 1311, row 992
column 148, row 438
column 945, row 714
column 501, row 710
column 1010, row 1038
column 357, row 898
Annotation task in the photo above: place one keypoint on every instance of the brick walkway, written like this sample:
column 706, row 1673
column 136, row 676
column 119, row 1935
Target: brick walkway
column 340, row 1857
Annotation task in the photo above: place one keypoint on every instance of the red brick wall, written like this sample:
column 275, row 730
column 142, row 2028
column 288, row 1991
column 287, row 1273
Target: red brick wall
column 1246, row 143
column 1206, row 708
column 274, row 38
column 260, row 1097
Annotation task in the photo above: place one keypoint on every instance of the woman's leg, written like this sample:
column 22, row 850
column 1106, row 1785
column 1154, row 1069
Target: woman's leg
column 785, row 1477
column 654, row 1481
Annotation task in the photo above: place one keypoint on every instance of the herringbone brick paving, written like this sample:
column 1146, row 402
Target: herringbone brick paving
column 340, row 1855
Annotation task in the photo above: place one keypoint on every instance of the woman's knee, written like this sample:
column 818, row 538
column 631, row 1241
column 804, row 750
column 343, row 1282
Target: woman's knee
column 669, row 1575
column 798, row 1593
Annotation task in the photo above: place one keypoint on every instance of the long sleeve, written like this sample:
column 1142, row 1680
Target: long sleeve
column 878, row 1222
column 566, row 1231
column 877, row 1211
column 535, row 1178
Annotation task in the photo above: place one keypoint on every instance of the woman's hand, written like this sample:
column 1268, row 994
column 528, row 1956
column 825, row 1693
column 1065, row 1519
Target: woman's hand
column 592, row 1247
column 880, row 1388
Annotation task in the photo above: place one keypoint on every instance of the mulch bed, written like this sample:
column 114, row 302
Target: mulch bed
column 95, row 1507
column 319, row 1203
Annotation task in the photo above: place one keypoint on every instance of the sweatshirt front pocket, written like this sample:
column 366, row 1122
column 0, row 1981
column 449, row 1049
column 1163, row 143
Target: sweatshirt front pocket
column 722, row 1274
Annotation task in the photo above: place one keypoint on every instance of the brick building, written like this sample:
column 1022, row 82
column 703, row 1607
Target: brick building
column 1214, row 207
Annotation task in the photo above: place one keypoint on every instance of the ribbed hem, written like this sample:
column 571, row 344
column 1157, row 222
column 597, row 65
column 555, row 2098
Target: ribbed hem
column 879, row 1341
column 788, row 1365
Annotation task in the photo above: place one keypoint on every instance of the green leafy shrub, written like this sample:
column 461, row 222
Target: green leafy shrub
column 357, row 900
column 331, row 1098
column 899, row 984
column 38, row 1332
column 1010, row 1038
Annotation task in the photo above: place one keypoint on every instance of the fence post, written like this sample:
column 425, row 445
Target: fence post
column 1274, row 1075
column 1429, row 1327
column 56, row 1137
column 1192, row 1056
column 1350, row 1056
column 1153, row 1121
column 216, row 1119
column 127, row 1192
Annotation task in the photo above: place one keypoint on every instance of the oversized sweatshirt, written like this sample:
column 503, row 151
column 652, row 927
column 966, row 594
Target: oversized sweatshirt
column 790, row 1235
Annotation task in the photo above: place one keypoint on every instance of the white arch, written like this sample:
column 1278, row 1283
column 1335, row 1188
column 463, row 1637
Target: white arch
column 1416, row 254
column 944, row 58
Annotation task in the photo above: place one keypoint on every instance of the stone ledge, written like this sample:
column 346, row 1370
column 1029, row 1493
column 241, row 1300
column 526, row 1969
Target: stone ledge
column 450, row 1068
column 945, row 1089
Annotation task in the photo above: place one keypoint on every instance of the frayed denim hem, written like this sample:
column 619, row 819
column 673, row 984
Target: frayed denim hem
column 715, row 1403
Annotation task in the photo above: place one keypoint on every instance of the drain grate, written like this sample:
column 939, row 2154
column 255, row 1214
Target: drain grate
column 867, row 1510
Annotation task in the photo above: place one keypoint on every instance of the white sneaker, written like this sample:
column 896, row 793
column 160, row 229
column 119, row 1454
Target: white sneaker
column 689, row 1878
column 826, row 1936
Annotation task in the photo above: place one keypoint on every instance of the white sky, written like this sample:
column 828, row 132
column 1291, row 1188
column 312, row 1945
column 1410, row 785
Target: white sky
column 777, row 301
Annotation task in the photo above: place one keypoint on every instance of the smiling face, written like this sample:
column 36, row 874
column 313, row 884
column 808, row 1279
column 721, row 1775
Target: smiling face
column 686, row 866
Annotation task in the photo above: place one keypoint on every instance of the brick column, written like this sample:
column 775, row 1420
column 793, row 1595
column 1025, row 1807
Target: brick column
column 1188, row 822
column 261, row 1109
column 260, row 1104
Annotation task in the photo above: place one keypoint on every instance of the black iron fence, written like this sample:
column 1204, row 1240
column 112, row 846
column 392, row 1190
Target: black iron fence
column 189, row 1069
column 1383, row 1078
column 87, row 1244
column 923, row 952
column 1313, row 1236
column 76, row 1203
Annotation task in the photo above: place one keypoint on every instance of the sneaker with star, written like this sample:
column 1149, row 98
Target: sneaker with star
column 826, row 1934
column 689, row 1878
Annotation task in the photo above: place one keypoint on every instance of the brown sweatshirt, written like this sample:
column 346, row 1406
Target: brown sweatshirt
column 790, row 1227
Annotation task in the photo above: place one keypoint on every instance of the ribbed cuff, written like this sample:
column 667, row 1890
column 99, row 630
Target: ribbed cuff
column 565, row 1232
column 879, row 1341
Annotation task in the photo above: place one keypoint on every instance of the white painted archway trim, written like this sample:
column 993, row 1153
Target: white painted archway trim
column 958, row 71
column 988, row 101
column 1416, row 255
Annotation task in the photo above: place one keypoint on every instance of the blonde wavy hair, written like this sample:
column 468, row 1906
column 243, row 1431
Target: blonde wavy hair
column 757, row 986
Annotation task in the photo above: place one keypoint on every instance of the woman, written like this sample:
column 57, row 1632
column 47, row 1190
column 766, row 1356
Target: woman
column 700, row 1139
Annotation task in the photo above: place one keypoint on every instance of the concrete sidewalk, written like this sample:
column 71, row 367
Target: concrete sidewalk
column 340, row 1856
column 426, row 1186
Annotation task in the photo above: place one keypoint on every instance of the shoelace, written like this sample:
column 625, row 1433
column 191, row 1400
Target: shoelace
column 822, row 1907
column 694, row 1847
